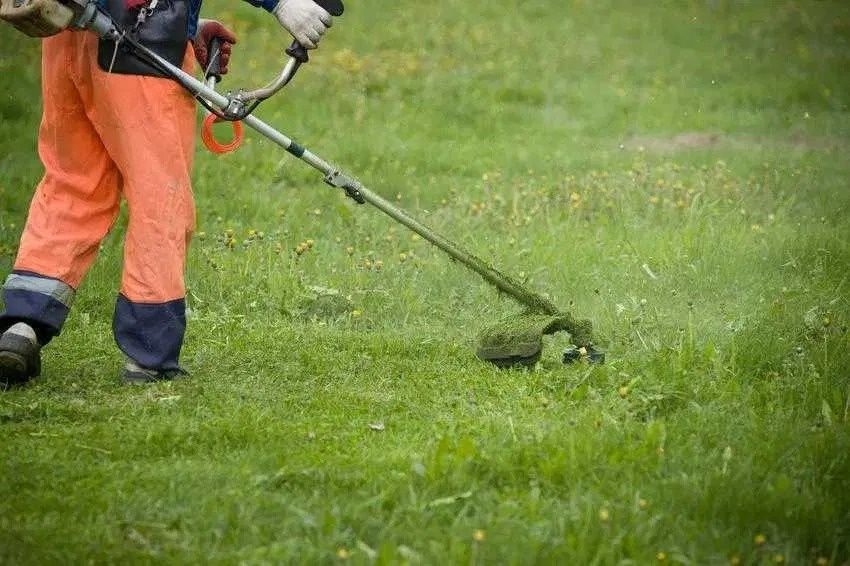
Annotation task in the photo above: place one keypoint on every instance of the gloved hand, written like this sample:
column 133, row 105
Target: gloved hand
column 207, row 31
column 304, row 19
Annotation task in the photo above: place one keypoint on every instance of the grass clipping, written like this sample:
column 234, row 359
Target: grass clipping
column 518, row 340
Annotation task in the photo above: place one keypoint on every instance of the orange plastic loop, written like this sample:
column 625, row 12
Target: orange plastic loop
column 214, row 145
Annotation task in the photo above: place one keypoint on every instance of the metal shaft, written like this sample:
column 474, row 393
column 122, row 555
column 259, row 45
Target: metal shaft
column 502, row 282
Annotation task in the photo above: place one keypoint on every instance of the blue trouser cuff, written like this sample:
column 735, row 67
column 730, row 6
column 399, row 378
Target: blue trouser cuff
column 41, row 301
column 151, row 334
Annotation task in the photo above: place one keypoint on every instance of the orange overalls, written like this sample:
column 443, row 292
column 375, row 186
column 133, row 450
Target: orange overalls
column 104, row 136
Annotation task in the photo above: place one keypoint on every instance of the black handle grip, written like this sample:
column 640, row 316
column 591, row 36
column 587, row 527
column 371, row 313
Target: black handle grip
column 214, row 54
column 298, row 52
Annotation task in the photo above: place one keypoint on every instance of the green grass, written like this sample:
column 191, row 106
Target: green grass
column 675, row 171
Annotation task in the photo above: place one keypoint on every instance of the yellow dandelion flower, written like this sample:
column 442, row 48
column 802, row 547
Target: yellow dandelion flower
column 661, row 556
column 343, row 553
column 604, row 515
column 479, row 535
column 759, row 539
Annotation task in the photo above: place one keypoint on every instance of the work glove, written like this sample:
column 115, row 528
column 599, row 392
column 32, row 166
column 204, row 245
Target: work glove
column 304, row 19
column 207, row 31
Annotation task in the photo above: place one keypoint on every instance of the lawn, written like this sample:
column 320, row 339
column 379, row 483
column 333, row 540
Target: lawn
column 675, row 171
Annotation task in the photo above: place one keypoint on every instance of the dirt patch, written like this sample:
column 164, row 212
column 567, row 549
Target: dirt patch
column 701, row 140
column 686, row 140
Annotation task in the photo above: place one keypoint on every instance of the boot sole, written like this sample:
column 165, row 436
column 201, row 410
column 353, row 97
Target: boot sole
column 138, row 378
column 13, row 367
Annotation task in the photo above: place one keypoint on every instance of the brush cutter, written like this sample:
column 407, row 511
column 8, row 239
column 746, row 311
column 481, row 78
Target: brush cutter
column 511, row 342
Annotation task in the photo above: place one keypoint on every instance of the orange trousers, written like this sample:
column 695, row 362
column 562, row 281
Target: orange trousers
column 104, row 136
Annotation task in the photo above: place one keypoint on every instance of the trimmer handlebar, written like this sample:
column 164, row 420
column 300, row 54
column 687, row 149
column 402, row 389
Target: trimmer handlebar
column 297, row 56
column 212, row 75
column 243, row 102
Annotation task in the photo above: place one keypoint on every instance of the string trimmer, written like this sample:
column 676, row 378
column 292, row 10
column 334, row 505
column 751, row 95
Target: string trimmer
column 517, row 340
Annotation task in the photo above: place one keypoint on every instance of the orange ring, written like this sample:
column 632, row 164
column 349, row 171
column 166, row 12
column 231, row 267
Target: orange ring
column 214, row 145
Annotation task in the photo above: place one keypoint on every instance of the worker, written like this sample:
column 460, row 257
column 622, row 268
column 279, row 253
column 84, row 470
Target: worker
column 109, row 132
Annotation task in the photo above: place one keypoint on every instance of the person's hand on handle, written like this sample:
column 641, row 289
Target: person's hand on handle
column 304, row 19
column 209, row 30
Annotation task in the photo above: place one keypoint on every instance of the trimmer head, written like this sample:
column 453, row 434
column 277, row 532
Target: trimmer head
column 516, row 353
column 518, row 341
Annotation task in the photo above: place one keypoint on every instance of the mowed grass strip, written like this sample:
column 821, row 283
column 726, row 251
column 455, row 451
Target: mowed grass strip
column 676, row 172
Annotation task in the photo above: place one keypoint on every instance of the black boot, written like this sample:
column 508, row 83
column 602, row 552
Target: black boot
column 20, row 355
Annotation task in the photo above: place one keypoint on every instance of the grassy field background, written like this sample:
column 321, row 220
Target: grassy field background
column 675, row 171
